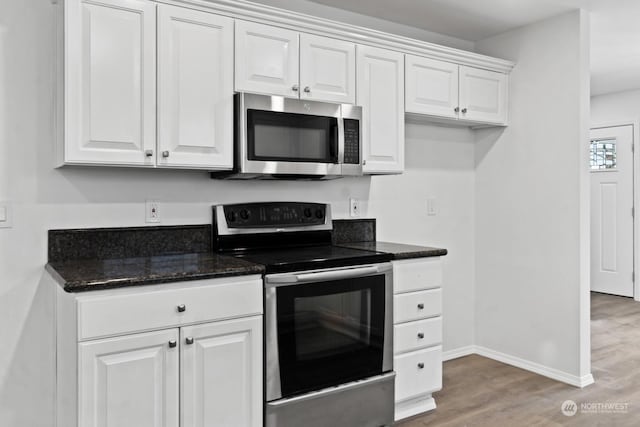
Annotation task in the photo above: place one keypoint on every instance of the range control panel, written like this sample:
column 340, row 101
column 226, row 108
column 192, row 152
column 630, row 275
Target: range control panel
column 275, row 215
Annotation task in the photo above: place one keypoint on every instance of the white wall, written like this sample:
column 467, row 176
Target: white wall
column 532, row 239
column 615, row 107
column 321, row 10
column 440, row 163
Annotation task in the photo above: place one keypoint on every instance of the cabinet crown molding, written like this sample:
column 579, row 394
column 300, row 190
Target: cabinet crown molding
column 247, row 10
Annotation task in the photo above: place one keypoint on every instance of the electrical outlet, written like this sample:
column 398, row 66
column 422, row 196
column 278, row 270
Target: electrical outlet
column 152, row 211
column 354, row 208
column 431, row 207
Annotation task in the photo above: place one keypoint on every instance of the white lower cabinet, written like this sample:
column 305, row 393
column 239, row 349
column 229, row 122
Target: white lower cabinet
column 129, row 381
column 186, row 373
column 222, row 394
column 417, row 334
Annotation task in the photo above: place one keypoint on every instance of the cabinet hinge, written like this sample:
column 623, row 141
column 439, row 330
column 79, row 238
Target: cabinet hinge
column 633, row 277
column 633, row 147
column 633, row 212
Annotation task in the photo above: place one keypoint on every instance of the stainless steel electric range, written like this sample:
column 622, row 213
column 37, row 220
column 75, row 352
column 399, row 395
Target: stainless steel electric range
column 328, row 315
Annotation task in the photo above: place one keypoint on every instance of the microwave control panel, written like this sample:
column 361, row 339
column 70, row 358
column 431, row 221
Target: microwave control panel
column 274, row 214
column 352, row 141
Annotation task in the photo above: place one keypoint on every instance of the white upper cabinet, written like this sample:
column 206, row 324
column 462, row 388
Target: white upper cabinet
column 464, row 94
column 381, row 94
column 110, row 82
column 275, row 61
column 327, row 69
column 266, row 59
column 483, row 95
column 432, row 87
column 195, row 89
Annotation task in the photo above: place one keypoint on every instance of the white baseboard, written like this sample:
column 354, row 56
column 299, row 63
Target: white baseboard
column 535, row 367
column 458, row 352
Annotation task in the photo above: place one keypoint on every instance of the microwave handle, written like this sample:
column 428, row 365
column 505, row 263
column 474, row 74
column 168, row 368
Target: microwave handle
column 324, row 276
column 340, row 137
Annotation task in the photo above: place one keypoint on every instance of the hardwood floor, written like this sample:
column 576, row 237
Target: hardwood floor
column 481, row 392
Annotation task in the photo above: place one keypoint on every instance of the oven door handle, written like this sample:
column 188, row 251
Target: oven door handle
column 324, row 276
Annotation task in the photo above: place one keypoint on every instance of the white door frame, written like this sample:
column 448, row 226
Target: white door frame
column 636, row 195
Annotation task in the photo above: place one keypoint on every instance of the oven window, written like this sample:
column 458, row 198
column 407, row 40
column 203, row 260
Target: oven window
column 277, row 136
column 328, row 325
column 330, row 333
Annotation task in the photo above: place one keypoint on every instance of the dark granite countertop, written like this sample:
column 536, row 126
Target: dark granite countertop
column 398, row 250
column 87, row 275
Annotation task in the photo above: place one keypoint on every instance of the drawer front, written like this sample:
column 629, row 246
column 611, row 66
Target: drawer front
column 413, row 380
column 416, row 274
column 151, row 307
column 412, row 336
column 417, row 305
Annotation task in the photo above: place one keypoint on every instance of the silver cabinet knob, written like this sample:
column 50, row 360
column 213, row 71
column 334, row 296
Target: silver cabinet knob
column 457, row 109
column 165, row 154
column 182, row 308
column 421, row 365
column 364, row 163
column 173, row 343
column 189, row 340
column 148, row 153
column 420, row 306
column 420, row 335
column 464, row 111
column 307, row 89
column 294, row 88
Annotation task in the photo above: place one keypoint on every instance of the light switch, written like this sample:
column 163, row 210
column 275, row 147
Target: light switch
column 5, row 215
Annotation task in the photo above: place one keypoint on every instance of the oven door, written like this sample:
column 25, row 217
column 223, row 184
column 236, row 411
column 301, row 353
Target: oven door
column 327, row 327
column 282, row 136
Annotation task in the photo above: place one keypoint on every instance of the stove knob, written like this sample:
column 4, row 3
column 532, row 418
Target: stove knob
column 244, row 214
column 307, row 212
column 319, row 213
column 231, row 216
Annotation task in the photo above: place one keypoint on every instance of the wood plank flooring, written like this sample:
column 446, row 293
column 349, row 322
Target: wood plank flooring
column 481, row 392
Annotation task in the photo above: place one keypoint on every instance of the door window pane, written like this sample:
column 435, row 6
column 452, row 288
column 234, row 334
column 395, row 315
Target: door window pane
column 603, row 154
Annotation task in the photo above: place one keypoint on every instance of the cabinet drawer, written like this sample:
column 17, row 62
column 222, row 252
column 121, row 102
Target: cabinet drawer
column 150, row 307
column 417, row 305
column 412, row 336
column 416, row 274
column 411, row 379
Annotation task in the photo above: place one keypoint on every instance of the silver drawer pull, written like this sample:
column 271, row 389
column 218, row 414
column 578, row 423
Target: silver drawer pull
column 148, row 153
column 189, row 340
column 421, row 306
column 165, row 154
column 464, row 111
column 420, row 335
column 182, row 308
column 173, row 343
column 421, row 365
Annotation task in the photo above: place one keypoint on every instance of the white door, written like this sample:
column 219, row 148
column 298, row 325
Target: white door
column 611, row 210
column 110, row 81
column 222, row 374
column 129, row 381
column 195, row 89
column 267, row 59
column 380, row 76
column 483, row 95
column 327, row 69
column 432, row 87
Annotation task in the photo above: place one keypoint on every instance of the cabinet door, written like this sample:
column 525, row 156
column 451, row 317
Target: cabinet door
column 222, row 374
column 432, row 87
column 110, row 85
column 483, row 95
column 129, row 381
column 381, row 94
column 266, row 59
column 195, row 89
column 327, row 69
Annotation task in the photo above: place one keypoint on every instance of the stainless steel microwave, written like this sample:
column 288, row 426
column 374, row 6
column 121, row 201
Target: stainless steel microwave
column 278, row 137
